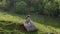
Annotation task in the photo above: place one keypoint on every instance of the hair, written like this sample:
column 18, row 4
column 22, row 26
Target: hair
column 27, row 17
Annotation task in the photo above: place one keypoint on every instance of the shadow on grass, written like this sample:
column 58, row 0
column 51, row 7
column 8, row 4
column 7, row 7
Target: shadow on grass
column 31, row 32
column 9, row 27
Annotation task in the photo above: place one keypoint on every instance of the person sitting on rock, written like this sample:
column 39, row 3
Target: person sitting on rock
column 28, row 24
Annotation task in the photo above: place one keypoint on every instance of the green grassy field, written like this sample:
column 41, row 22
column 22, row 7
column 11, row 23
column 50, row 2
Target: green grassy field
column 9, row 24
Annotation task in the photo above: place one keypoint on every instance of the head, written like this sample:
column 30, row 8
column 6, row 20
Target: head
column 27, row 16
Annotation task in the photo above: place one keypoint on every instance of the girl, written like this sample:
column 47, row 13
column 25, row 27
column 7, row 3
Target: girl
column 29, row 24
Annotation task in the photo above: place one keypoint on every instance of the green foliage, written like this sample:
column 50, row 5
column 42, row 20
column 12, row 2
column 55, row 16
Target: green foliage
column 47, row 7
column 51, row 8
column 21, row 7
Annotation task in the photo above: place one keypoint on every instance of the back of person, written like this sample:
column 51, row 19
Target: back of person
column 29, row 24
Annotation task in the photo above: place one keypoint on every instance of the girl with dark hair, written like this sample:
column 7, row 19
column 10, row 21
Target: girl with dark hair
column 29, row 24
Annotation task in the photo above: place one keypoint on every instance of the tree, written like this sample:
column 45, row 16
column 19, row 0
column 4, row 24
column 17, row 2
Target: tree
column 21, row 7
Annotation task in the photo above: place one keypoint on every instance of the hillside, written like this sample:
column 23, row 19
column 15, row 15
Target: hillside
column 9, row 24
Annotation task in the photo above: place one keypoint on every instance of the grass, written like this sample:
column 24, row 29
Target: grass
column 9, row 24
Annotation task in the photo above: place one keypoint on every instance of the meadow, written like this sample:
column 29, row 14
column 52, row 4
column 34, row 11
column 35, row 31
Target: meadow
column 9, row 23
